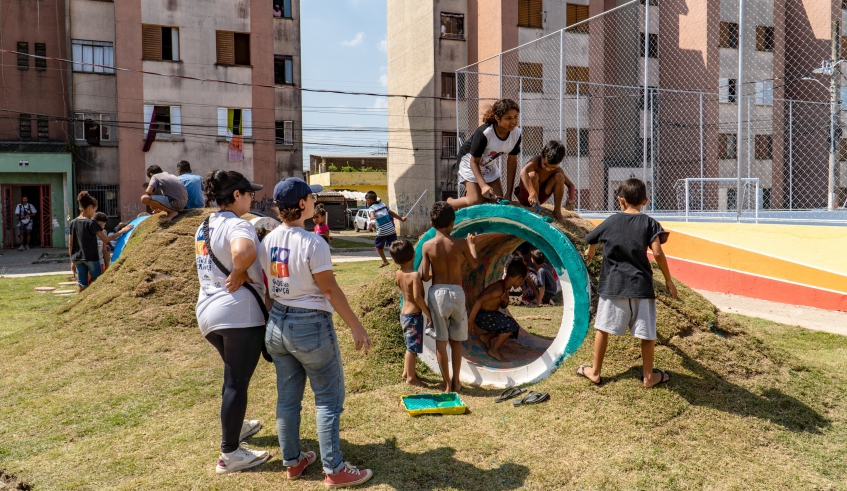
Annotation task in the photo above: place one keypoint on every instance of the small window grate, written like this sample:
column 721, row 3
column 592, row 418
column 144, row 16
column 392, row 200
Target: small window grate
column 23, row 57
column 40, row 63
column 106, row 196
column 43, row 128
column 25, row 126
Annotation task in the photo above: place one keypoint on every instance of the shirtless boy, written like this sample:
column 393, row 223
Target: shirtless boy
column 542, row 177
column 488, row 324
column 443, row 256
column 411, row 318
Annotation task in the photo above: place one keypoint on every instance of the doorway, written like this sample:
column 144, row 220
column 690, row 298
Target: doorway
column 39, row 196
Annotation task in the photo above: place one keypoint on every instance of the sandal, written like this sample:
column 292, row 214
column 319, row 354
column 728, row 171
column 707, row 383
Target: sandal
column 509, row 393
column 580, row 371
column 666, row 377
column 532, row 398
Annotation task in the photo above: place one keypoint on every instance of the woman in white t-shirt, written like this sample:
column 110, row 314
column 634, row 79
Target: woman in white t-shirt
column 301, row 336
column 479, row 166
column 228, row 314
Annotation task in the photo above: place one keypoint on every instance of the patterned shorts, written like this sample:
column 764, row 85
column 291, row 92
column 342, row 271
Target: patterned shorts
column 496, row 322
column 413, row 328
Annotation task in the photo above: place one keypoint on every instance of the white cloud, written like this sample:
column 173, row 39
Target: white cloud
column 383, row 79
column 356, row 41
column 380, row 103
column 383, row 45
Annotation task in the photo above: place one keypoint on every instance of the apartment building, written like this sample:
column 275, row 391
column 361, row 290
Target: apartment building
column 33, row 128
column 149, row 114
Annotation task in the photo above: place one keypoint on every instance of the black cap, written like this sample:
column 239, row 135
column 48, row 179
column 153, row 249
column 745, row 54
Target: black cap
column 289, row 191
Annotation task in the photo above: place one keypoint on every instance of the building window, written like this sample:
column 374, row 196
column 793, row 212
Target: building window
column 575, row 15
column 43, row 127
column 764, row 147
column 106, row 196
column 23, row 57
column 282, row 9
column 93, row 56
column 40, row 63
column 283, row 70
column 764, row 93
column 729, row 35
column 653, row 3
column 529, row 13
column 448, row 85
column 728, row 90
column 575, row 74
column 168, row 119
column 160, row 43
column 25, row 126
column 764, row 38
column 285, row 132
column 449, row 145
column 92, row 126
column 727, row 146
column 233, row 48
column 654, row 45
column 531, row 76
column 576, row 142
column 452, row 26
column 235, row 122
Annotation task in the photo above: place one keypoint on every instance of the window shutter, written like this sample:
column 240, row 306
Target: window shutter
column 843, row 46
column 225, row 48
column 523, row 12
column 176, row 120
column 288, row 132
column 151, row 42
column 40, row 50
column 148, row 115
column 77, row 50
column 571, row 136
column 535, row 13
column 175, row 43
column 109, row 58
column 723, row 90
column 222, row 121
column 760, row 38
column 247, row 123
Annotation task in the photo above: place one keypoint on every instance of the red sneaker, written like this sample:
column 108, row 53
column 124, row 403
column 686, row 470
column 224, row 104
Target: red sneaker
column 308, row 459
column 348, row 476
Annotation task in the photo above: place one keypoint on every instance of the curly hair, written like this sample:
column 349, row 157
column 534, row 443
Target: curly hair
column 85, row 200
column 498, row 110
column 442, row 215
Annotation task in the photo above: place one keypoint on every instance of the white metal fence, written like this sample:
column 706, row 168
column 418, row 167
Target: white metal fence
column 721, row 122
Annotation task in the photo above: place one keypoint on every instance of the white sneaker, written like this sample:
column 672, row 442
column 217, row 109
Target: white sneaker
column 21, row 247
column 430, row 331
column 27, row 246
column 249, row 428
column 241, row 459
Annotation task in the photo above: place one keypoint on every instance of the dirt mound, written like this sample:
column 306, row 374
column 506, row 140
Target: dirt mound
column 9, row 482
column 153, row 284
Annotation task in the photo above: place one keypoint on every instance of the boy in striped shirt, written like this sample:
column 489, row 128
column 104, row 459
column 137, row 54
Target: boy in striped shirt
column 386, row 234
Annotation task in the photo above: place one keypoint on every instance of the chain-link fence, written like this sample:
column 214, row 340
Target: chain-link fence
column 728, row 116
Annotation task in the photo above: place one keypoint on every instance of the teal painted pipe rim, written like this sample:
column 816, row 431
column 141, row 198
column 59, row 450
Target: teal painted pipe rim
column 573, row 280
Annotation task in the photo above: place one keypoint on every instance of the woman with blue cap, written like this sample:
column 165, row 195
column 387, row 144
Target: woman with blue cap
column 300, row 336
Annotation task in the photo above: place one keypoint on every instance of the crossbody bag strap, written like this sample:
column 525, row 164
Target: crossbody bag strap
column 225, row 271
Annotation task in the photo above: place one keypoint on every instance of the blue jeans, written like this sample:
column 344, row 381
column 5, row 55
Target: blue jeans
column 85, row 268
column 302, row 343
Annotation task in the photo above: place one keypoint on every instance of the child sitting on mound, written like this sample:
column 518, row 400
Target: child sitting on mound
column 542, row 177
column 488, row 323
column 627, row 299
column 443, row 256
column 414, row 307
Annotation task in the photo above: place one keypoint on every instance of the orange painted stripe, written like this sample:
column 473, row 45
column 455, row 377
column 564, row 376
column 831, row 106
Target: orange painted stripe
column 705, row 277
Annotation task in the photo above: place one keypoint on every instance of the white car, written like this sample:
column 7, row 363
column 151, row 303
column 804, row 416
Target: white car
column 362, row 220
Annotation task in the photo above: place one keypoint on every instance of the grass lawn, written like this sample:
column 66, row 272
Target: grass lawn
column 106, row 398
column 338, row 243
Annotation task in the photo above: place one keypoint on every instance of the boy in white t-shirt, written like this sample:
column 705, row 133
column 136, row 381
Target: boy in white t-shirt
column 301, row 337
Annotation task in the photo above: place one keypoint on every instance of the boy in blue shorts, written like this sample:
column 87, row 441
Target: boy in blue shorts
column 627, row 299
column 414, row 308
column 384, row 218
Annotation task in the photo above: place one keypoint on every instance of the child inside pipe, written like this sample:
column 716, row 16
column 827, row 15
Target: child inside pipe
column 488, row 323
column 542, row 178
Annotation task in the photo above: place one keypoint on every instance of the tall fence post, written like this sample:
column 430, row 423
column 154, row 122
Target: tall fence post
column 749, row 146
column 739, row 83
column 561, row 82
column 578, row 153
column 702, row 160
column 646, row 81
column 500, row 69
column 790, row 155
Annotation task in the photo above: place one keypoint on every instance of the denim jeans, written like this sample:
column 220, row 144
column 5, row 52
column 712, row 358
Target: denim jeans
column 302, row 343
column 85, row 268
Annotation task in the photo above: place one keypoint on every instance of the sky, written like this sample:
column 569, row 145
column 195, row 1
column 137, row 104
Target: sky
column 343, row 48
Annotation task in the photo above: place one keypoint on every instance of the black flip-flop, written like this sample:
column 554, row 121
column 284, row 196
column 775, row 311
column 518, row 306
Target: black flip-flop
column 582, row 374
column 509, row 393
column 664, row 374
column 533, row 397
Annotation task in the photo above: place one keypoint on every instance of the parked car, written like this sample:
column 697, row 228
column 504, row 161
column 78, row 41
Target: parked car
column 362, row 221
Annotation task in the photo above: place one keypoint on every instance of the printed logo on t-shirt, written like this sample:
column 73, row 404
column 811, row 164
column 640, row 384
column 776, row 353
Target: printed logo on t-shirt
column 490, row 158
column 279, row 262
column 204, row 262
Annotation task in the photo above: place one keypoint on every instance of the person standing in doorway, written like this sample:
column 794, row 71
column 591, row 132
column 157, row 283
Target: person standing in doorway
column 193, row 184
column 24, row 212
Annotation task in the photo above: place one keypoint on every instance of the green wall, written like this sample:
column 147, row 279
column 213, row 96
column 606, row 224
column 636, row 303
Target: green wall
column 54, row 169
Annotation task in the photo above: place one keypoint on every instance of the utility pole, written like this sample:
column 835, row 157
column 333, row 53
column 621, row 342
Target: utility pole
column 834, row 112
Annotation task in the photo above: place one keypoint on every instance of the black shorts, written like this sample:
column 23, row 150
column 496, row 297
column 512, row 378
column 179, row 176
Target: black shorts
column 383, row 241
column 496, row 322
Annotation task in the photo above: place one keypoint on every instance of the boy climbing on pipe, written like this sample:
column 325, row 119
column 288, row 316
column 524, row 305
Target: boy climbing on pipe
column 627, row 299
column 542, row 177
column 414, row 307
column 442, row 261
column 491, row 326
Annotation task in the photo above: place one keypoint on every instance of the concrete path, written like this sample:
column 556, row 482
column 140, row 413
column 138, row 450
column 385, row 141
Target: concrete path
column 352, row 257
column 14, row 262
column 793, row 315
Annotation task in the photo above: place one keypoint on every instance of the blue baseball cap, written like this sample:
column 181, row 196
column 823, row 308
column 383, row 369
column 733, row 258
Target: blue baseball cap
column 288, row 192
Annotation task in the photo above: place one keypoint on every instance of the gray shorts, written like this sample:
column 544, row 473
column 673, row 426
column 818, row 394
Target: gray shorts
column 449, row 314
column 166, row 202
column 25, row 227
column 615, row 315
